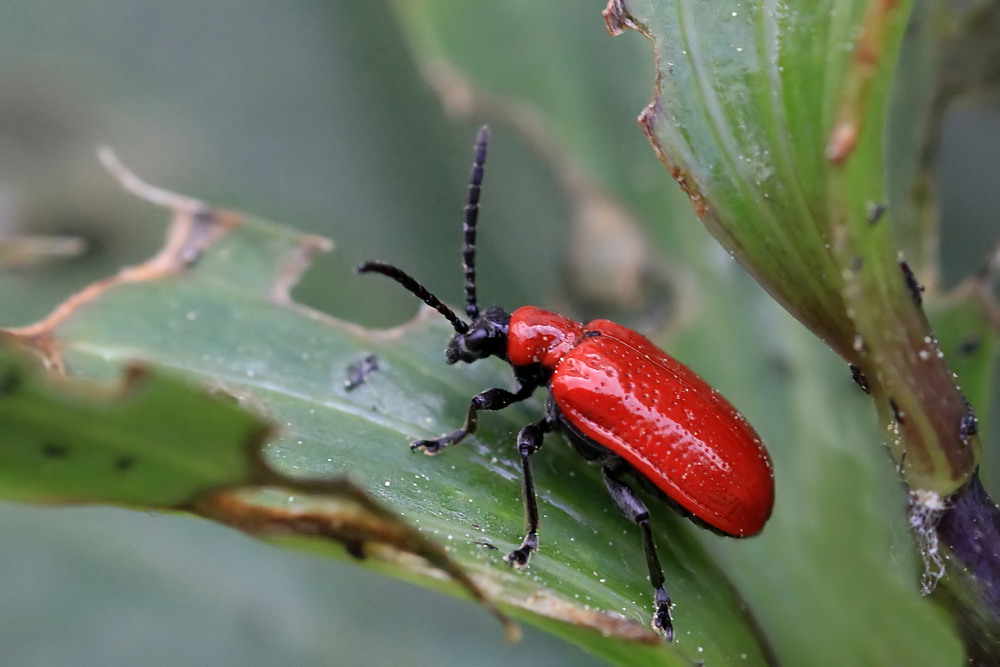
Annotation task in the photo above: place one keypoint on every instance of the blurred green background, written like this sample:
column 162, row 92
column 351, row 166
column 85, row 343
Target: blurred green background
column 311, row 114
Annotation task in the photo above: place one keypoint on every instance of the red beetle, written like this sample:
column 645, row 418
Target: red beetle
column 622, row 402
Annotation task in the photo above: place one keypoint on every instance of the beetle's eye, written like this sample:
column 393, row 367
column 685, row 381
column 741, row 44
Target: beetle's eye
column 477, row 340
column 469, row 346
column 483, row 339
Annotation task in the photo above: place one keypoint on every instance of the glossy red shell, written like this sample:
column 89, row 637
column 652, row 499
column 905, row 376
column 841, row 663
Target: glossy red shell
column 623, row 393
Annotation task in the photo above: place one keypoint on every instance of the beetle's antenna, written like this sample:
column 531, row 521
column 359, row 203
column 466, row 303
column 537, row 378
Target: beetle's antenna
column 416, row 289
column 469, row 222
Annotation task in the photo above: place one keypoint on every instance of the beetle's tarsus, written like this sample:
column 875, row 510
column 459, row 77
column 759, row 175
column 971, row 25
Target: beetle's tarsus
column 429, row 447
column 519, row 557
column 661, row 619
column 432, row 447
column 662, row 624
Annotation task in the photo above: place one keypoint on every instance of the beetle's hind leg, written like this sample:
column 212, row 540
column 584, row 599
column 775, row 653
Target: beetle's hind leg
column 529, row 441
column 632, row 506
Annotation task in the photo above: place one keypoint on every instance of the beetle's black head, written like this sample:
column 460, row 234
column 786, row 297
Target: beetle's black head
column 485, row 337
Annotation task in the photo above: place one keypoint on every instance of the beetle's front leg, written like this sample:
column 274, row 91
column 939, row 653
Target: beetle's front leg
column 491, row 399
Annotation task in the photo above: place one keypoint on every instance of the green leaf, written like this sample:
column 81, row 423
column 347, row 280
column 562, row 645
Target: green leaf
column 213, row 305
column 747, row 95
column 73, row 441
column 832, row 579
column 773, row 122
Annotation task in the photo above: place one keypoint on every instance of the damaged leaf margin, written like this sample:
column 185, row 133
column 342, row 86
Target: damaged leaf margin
column 74, row 441
column 773, row 124
column 193, row 228
column 800, row 201
column 264, row 494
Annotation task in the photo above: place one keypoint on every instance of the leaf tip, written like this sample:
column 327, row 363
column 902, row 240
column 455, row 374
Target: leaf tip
column 140, row 188
column 617, row 18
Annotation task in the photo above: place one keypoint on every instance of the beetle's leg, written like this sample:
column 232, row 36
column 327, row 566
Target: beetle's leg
column 632, row 506
column 529, row 441
column 491, row 399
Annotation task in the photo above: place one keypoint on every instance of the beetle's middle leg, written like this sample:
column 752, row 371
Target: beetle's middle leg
column 529, row 441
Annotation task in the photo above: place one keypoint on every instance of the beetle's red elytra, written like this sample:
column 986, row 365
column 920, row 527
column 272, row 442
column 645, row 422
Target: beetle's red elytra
column 622, row 402
column 619, row 390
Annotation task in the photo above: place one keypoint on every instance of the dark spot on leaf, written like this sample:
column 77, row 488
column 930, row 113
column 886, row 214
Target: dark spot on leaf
column 860, row 378
column 355, row 549
column 969, row 345
column 916, row 289
column 53, row 450
column 856, row 262
column 359, row 371
column 874, row 212
column 124, row 463
column 896, row 412
column 10, row 381
column 780, row 364
column 968, row 425
column 488, row 545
